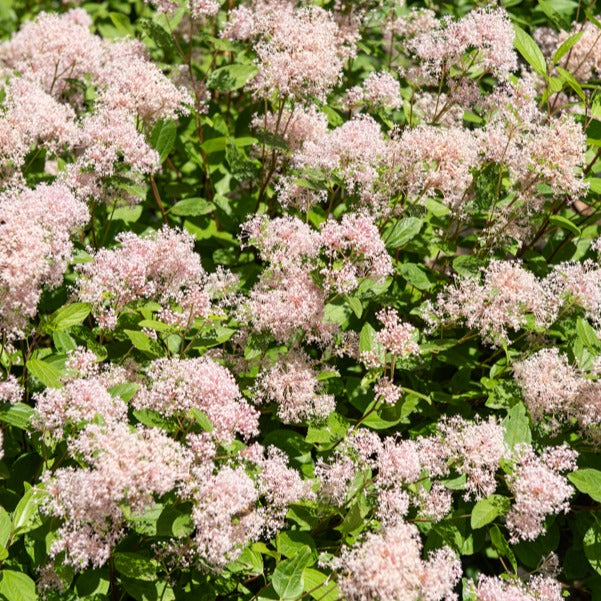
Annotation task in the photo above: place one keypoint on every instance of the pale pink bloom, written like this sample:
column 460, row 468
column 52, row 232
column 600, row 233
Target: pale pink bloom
column 129, row 81
column 288, row 303
column 226, row 515
column 436, row 503
column 355, row 150
column 475, row 449
column 548, row 382
column 53, row 49
column 538, row 488
column 540, row 588
column 427, row 160
column 355, row 250
column 291, row 194
column 124, row 467
column 157, row 267
column 502, row 300
column 283, row 241
column 380, row 89
column 397, row 337
column 294, row 127
column 293, row 385
column 487, row 32
column 109, row 136
column 335, row 477
column 10, row 390
column 35, row 248
column 577, row 283
column 79, row 401
column 388, row 566
column 399, row 462
column 178, row 385
column 30, row 116
column 387, row 391
column 300, row 51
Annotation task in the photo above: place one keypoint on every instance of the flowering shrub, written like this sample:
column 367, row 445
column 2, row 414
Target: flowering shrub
column 300, row 300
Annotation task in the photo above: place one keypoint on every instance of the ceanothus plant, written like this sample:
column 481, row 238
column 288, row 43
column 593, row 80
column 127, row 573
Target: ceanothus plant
column 300, row 300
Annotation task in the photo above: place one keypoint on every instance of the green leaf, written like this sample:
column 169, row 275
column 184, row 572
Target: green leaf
column 46, row 373
column 5, row 526
column 18, row 415
column 355, row 304
column 320, row 586
column 154, row 419
column 402, row 232
column 143, row 342
column 502, row 547
column 26, row 516
column 517, row 426
column 163, row 137
column 587, row 335
column 135, row 566
column 568, row 78
column 231, row 77
column 487, row 510
column 528, row 48
column 592, row 546
column 124, row 391
column 16, row 586
column 367, row 338
column 415, row 274
column 161, row 37
column 587, row 481
column 69, row 315
column 121, row 22
column 288, row 580
column 566, row 46
column 201, row 419
column 565, row 224
column 192, row 207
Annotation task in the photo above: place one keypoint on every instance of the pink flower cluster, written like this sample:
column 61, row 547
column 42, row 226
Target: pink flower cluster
column 388, row 566
column 293, row 386
column 177, row 385
column 538, row 488
column 300, row 51
column 162, row 267
column 539, row 588
column 35, row 248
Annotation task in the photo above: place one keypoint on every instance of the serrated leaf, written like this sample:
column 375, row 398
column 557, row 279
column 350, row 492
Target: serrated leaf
column 69, row 315
column 402, row 232
column 192, row 207
column 18, row 415
column 517, row 426
column 592, row 546
column 355, row 304
column 568, row 78
column 367, row 338
column 121, row 22
column 288, row 580
column 26, row 516
column 487, row 510
column 16, row 586
column 163, row 138
column 566, row 46
column 588, row 481
column 320, row 586
column 502, row 546
column 231, row 77
column 46, row 373
column 415, row 274
column 133, row 565
column 201, row 419
column 143, row 342
column 528, row 48
column 565, row 224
